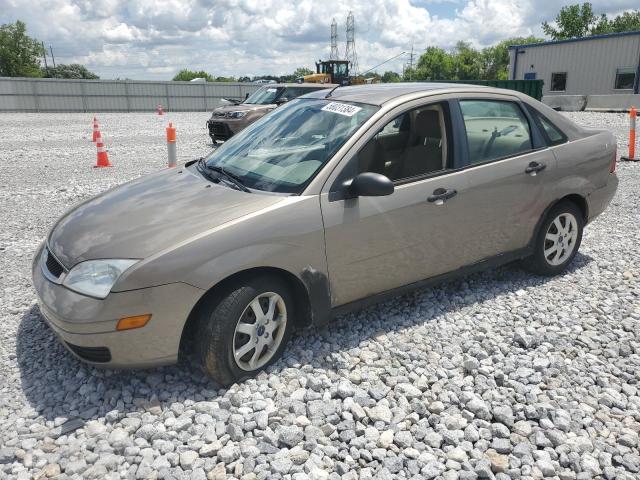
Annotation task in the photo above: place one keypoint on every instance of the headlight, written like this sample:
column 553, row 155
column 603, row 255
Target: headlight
column 96, row 277
column 236, row 114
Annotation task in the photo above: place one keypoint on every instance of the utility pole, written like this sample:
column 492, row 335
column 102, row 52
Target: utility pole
column 54, row 58
column 44, row 55
column 411, row 62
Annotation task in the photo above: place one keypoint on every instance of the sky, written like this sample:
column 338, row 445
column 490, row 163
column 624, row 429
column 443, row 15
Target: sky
column 154, row 39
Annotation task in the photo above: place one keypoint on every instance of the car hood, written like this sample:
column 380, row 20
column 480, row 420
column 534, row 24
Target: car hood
column 243, row 107
column 148, row 215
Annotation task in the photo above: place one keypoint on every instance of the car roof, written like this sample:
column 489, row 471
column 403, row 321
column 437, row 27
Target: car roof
column 381, row 93
column 303, row 85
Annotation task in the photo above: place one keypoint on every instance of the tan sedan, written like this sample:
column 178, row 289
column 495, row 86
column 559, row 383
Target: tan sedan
column 337, row 199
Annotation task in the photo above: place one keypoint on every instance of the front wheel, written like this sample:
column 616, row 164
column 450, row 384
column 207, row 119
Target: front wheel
column 558, row 240
column 245, row 330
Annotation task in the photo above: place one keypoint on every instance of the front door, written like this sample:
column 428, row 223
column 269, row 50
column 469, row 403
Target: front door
column 375, row 244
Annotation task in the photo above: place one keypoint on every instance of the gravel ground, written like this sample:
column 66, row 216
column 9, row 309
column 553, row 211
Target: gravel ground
column 500, row 374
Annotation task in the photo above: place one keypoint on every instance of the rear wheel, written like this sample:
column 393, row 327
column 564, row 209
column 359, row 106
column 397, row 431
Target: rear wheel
column 558, row 240
column 245, row 329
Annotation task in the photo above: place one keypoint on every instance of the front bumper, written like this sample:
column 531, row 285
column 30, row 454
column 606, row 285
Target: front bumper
column 87, row 326
column 220, row 130
column 223, row 128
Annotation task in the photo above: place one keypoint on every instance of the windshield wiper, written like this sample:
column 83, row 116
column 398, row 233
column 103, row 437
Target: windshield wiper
column 230, row 177
column 202, row 168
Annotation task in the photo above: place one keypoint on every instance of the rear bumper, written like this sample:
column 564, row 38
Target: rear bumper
column 87, row 326
column 599, row 199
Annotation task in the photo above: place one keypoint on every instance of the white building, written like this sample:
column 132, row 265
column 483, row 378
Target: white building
column 601, row 72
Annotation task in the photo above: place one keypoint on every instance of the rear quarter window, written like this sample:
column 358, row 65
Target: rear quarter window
column 552, row 134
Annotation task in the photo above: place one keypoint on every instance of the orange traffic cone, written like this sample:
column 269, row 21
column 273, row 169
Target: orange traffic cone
column 159, row 109
column 103, row 158
column 96, row 132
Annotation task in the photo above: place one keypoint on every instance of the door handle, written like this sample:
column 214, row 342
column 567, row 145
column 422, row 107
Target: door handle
column 440, row 195
column 534, row 168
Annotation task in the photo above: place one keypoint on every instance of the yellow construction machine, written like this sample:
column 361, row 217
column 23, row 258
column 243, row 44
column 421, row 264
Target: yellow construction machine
column 333, row 71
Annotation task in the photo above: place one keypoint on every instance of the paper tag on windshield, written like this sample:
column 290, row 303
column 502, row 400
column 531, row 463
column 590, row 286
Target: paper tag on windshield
column 271, row 90
column 341, row 108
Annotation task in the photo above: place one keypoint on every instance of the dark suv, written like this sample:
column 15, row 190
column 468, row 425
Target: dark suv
column 228, row 120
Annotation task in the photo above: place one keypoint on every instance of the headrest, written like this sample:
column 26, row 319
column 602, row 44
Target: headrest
column 427, row 123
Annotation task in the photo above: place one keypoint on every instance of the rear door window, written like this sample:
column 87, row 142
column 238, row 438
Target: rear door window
column 494, row 129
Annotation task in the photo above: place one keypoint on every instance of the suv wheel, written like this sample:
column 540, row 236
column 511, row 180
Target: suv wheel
column 245, row 330
column 558, row 240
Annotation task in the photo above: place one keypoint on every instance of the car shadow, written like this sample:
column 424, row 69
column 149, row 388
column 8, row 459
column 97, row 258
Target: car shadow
column 56, row 384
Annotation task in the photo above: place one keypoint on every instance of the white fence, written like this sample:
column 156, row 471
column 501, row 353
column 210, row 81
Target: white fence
column 56, row 95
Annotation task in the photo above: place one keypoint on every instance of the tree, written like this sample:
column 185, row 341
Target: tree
column 434, row 64
column 627, row 22
column 390, row 77
column 292, row 77
column 495, row 59
column 467, row 61
column 374, row 75
column 188, row 75
column 576, row 21
column 302, row 72
column 579, row 20
column 19, row 53
column 73, row 70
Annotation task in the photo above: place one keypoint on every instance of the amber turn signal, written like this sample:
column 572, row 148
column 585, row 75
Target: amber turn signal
column 128, row 323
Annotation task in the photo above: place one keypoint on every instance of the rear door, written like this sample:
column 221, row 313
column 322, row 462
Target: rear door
column 509, row 172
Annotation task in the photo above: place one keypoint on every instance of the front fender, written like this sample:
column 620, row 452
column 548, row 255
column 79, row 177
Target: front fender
column 288, row 236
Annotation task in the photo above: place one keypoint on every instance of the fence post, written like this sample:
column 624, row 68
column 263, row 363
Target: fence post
column 126, row 95
column 83, row 92
column 34, row 89
column 166, row 88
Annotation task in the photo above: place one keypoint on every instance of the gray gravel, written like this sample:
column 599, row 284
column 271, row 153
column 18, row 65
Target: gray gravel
column 500, row 375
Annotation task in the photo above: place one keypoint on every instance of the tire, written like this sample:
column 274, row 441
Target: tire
column 559, row 252
column 226, row 317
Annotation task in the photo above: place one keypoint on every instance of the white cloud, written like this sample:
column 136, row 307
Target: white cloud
column 153, row 39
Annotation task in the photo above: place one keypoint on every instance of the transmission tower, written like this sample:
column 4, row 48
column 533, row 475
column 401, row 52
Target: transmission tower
column 334, row 41
column 350, row 53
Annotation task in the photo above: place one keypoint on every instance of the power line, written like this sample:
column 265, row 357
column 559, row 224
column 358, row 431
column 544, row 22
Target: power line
column 386, row 61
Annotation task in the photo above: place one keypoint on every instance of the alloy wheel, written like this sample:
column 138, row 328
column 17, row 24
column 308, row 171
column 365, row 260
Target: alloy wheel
column 560, row 239
column 259, row 331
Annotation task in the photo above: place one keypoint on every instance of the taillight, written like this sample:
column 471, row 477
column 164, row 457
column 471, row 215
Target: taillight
column 614, row 161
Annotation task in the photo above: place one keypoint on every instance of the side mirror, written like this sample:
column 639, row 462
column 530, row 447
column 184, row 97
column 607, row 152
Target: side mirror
column 368, row 184
column 280, row 101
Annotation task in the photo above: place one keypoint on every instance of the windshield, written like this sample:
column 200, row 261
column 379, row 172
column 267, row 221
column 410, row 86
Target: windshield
column 264, row 96
column 282, row 151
